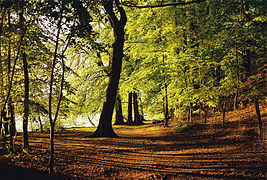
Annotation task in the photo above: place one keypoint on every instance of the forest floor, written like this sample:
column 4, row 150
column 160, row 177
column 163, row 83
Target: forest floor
column 149, row 152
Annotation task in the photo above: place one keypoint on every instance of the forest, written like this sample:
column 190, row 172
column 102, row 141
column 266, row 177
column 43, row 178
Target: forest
column 133, row 89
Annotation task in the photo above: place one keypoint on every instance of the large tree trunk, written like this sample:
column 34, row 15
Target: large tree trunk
column 104, row 128
column 119, row 116
column 26, row 102
column 130, row 110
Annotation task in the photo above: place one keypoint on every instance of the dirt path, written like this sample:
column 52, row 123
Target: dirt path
column 152, row 152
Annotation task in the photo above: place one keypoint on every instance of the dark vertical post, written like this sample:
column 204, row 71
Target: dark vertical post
column 259, row 116
column 130, row 110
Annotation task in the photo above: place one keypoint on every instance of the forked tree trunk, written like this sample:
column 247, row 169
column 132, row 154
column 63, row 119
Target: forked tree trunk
column 119, row 116
column 130, row 108
column 104, row 128
column 51, row 120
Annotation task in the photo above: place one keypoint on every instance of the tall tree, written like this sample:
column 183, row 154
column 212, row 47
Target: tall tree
column 104, row 128
column 26, row 89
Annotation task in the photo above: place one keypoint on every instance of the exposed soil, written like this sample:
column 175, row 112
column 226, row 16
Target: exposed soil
column 150, row 152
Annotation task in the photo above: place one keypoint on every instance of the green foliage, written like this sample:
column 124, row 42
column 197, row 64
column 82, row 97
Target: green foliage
column 204, row 52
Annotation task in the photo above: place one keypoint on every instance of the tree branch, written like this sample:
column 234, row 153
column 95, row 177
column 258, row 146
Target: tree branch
column 108, row 6
column 162, row 5
column 123, row 18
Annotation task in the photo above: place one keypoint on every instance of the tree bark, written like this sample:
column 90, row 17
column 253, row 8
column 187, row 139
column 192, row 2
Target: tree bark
column 119, row 116
column 51, row 120
column 259, row 117
column 190, row 112
column 41, row 125
column 52, row 148
column 26, row 102
column 166, row 111
column 6, row 130
column 10, row 79
column 200, row 112
column 224, row 111
column 130, row 110
column 1, row 66
column 104, row 128
column 137, row 119
column 235, row 101
column 165, row 99
column 12, row 124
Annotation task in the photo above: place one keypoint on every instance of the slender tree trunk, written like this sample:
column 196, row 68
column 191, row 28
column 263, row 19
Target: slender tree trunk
column 130, row 110
column 137, row 119
column 26, row 92
column 12, row 124
column 166, row 112
column 119, row 116
column 104, row 128
column 90, row 120
column 235, row 101
column 224, row 111
column 10, row 78
column 165, row 99
column 26, row 102
column 1, row 67
column 52, row 148
column 259, row 116
column 205, row 116
column 6, row 130
column 41, row 125
column 190, row 112
column 200, row 112
column 51, row 120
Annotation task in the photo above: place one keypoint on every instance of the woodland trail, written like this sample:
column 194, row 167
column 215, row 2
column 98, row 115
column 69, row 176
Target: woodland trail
column 153, row 152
